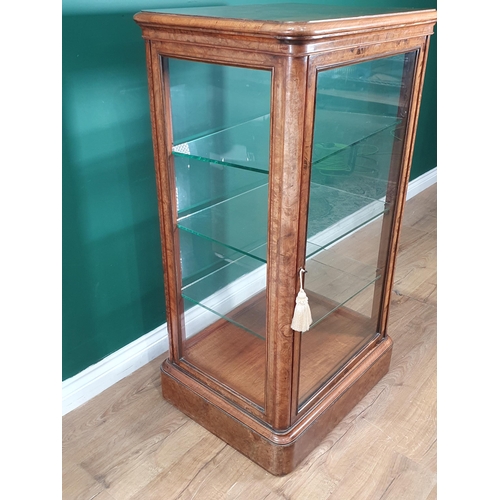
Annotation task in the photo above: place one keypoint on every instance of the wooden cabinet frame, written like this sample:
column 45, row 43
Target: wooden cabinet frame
column 281, row 433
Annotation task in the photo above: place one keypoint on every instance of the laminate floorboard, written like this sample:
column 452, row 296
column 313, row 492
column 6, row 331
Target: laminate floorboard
column 128, row 443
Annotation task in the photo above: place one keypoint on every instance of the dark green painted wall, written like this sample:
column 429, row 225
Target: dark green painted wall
column 112, row 274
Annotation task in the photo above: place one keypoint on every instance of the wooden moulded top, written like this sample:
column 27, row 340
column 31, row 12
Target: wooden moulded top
column 291, row 21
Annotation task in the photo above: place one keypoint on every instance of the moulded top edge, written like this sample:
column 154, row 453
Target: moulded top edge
column 283, row 20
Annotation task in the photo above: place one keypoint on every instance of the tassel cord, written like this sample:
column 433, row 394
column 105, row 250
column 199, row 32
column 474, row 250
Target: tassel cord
column 302, row 318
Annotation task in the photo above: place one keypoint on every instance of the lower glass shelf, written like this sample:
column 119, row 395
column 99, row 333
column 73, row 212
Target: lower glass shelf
column 331, row 287
column 227, row 292
column 247, row 322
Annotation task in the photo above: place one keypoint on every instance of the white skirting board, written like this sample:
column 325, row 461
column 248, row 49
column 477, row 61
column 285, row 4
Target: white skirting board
column 421, row 183
column 96, row 378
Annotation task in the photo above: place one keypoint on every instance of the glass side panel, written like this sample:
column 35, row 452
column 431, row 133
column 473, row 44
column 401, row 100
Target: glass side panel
column 220, row 121
column 341, row 286
column 359, row 125
column 207, row 99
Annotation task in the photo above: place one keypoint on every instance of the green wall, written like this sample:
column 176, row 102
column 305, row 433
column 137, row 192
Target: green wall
column 112, row 273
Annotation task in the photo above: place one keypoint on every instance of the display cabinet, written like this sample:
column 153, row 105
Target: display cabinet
column 283, row 137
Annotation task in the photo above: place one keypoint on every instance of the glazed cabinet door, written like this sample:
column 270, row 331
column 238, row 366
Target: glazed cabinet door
column 219, row 120
column 360, row 122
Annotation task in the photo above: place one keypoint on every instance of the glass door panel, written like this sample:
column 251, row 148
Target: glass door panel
column 359, row 125
column 220, row 122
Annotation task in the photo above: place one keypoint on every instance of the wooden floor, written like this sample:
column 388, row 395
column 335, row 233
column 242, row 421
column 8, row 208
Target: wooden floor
column 128, row 443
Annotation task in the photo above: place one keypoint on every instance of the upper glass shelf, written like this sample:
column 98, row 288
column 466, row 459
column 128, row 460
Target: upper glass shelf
column 246, row 145
column 336, row 133
column 243, row 146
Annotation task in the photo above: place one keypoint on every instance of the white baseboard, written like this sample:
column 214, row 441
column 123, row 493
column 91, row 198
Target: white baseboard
column 422, row 182
column 96, row 378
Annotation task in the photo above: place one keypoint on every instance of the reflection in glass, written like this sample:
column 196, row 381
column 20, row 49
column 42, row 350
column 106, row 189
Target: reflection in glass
column 220, row 121
column 359, row 122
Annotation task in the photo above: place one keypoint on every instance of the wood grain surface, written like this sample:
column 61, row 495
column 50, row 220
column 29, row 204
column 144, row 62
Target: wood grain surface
column 129, row 443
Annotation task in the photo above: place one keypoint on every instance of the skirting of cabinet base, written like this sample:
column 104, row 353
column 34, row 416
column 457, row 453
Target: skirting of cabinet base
column 277, row 452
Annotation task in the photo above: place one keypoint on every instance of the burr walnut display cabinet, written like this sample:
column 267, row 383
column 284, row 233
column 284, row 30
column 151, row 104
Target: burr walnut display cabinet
column 283, row 137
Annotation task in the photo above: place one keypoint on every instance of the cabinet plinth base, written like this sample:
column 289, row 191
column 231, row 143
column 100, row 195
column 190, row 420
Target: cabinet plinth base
column 279, row 452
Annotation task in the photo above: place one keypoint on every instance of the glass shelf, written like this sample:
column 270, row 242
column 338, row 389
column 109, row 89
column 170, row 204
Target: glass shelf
column 246, row 145
column 243, row 146
column 337, row 282
column 236, row 223
column 235, row 290
column 259, row 333
column 334, row 213
column 227, row 293
column 322, row 312
column 338, row 131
